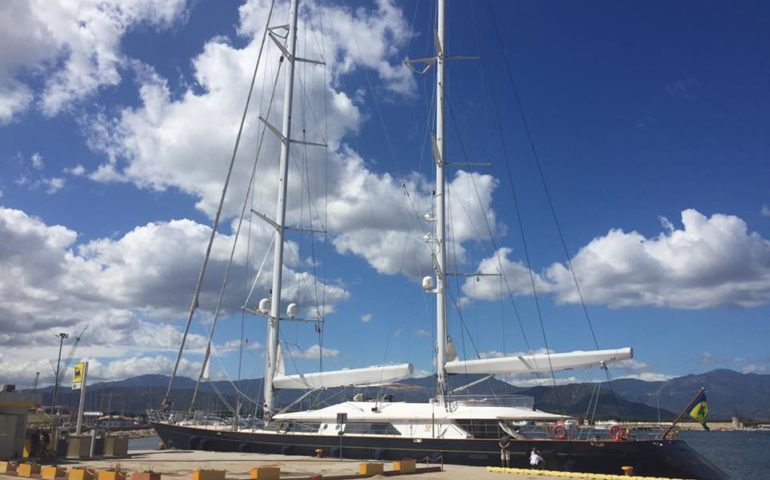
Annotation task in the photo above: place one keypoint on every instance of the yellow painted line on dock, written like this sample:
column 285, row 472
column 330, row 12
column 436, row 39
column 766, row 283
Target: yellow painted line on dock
column 559, row 473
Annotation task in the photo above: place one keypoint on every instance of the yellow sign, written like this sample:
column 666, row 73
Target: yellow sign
column 77, row 376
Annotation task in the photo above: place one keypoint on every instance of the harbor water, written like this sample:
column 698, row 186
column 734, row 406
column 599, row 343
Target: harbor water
column 743, row 455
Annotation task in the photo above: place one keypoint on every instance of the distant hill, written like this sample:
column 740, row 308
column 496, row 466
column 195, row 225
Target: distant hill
column 729, row 394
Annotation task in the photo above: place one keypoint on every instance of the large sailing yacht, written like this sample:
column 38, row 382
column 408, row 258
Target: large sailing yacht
column 448, row 428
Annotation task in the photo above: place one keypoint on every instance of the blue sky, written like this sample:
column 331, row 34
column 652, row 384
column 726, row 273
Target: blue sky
column 650, row 122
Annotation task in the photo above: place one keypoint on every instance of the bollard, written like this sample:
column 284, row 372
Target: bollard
column 7, row 467
column 52, row 472
column 208, row 475
column 373, row 468
column 405, row 466
column 266, row 473
column 111, row 475
column 27, row 469
column 146, row 475
column 80, row 474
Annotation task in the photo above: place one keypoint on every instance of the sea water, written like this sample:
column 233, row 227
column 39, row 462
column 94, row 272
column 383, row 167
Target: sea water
column 742, row 455
column 144, row 443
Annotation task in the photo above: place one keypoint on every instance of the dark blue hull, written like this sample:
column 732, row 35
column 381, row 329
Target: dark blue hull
column 664, row 458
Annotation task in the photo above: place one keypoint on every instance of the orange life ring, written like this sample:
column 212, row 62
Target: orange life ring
column 559, row 431
column 618, row 432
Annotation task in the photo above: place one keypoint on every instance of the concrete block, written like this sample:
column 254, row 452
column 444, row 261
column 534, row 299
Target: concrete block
column 111, row 475
column 7, row 467
column 405, row 466
column 80, row 474
column 208, row 475
column 116, row 446
column 28, row 469
column 371, row 468
column 52, row 472
column 145, row 476
column 79, row 446
column 266, row 473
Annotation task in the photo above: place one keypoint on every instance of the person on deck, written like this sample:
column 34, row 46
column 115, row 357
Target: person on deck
column 535, row 459
column 505, row 452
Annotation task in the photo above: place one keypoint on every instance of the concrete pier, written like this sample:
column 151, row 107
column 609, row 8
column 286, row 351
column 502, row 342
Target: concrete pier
column 180, row 464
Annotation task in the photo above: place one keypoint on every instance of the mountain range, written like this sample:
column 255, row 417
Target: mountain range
column 729, row 394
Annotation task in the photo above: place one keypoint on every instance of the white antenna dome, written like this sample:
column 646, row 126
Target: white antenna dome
column 292, row 310
column 427, row 283
column 264, row 306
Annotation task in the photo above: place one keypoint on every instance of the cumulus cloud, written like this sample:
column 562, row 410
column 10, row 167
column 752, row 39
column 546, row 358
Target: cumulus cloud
column 312, row 352
column 707, row 262
column 765, row 211
column 71, row 48
column 366, row 318
column 127, row 289
column 182, row 141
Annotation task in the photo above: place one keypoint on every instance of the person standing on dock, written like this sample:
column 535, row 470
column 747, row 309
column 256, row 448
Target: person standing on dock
column 505, row 452
column 535, row 459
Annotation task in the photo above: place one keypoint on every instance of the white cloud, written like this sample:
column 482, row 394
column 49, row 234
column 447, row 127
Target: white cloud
column 126, row 289
column 53, row 184
column 422, row 333
column 708, row 262
column 37, row 161
column 73, row 48
column 76, row 171
column 756, row 368
column 515, row 276
column 532, row 380
column 313, row 352
column 707, row 358
column 765, row 211
column 366, row 318
column 649, row 376
column 183, row 141
column 139, row 365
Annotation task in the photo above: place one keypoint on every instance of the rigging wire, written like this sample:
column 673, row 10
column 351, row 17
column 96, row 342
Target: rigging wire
column 541, row 173
column 235, row 243
column 490, row 231
column 215, row 226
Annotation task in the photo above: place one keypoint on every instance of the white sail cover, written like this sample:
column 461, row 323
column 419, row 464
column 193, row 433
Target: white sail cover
column 341, row 378
column 540, row 362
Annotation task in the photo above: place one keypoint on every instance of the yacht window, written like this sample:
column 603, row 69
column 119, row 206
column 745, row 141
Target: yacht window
column 481, row 428
column 373, row 428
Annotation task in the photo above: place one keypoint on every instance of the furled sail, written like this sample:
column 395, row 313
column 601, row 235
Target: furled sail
column 540, row 362
column 340, row 378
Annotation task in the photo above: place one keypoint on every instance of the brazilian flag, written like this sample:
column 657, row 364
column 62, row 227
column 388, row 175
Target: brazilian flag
column 700, row 409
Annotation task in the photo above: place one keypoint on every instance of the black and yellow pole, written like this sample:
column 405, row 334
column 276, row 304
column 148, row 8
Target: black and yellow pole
column 686, row 409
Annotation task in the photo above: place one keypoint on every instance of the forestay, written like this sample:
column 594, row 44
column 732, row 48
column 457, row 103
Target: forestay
column 541, row 362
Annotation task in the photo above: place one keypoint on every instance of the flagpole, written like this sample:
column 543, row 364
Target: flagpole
column 81, row 406
column 686, row 409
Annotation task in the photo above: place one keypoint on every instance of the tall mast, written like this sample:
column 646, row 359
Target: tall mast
column 440, row 205
column 280, row 217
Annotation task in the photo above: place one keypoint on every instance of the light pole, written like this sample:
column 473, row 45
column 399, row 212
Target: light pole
column 61, row 336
